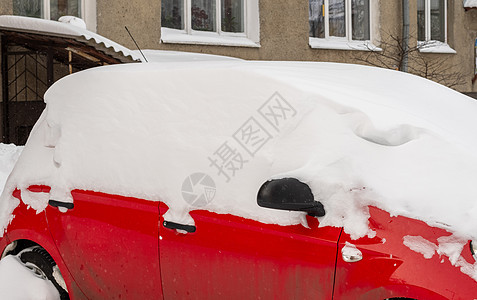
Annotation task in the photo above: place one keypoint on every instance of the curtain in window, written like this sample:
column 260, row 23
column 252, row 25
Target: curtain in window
column 337, row 18
column 203, row 15
column 59, row 8
column 28, row 8
column 172, row 14
column 316, row 18
column 438, row 20
column 421, row 20
column 360, row 19
column 232, row 15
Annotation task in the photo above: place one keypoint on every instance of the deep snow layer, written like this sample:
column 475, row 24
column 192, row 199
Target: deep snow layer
column 357, row 135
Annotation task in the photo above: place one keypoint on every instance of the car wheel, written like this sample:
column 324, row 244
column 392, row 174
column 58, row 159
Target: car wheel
column 42, row 265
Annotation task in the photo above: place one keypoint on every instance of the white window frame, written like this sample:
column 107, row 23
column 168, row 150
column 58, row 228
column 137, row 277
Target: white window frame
column 88, row 12
column 429, row 45
column 345, row 43
column 249, row 38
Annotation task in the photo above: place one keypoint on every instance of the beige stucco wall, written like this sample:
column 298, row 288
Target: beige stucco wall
column 284, row 32
column 143, row 21
column 470, row 35
column 6, row 7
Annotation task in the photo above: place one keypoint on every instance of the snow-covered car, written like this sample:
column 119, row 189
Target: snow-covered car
column 240, row 180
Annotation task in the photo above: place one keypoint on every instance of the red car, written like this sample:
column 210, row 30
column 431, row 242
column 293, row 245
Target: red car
column 101, row 241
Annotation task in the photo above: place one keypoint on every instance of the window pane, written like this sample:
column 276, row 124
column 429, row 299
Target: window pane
column 28, row 8
column 337, row 18
column 203, row 15
column 60, row 8
column 360, row 17
column 421, row 20
column 172, row 14
column 232, row 15
column 316, row 18
column 438, row 20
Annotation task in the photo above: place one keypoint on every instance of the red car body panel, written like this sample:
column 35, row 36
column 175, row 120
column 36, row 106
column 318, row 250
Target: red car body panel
column 110, row 245
column 391, row 269
column 107, row 247
column 27, row 224
column 229, row 257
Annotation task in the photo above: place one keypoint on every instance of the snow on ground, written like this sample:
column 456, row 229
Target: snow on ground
column 17, row 282
column 8, row 156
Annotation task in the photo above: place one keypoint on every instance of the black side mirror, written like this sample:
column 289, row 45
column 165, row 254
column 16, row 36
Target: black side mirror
column 289, row 194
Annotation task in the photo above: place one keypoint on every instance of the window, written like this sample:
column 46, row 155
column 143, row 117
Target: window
column 222, row 22
column 431, row 20
column 47, row 9
column 54, row 9
column 432, row 26
column 344, row 21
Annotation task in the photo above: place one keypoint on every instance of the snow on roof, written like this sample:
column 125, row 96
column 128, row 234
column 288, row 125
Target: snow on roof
column 357, row 135
column 470, row 3
column 63, row 29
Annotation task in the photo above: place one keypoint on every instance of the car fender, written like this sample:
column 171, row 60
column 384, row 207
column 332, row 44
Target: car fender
column 29, row 225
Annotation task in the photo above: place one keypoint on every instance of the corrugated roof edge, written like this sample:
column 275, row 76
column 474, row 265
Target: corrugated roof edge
column 47, row 27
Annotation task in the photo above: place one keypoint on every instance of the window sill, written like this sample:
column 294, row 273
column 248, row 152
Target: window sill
column 435, row 47
column 340, row 44
column 174, row 36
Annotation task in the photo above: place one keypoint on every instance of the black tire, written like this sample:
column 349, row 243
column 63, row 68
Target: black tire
column 43, row 261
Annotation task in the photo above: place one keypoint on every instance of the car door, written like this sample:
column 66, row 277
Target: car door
column 109, row 244
column 229, row 257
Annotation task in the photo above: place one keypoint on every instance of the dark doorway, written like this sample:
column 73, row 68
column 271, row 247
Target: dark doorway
column 30, row 63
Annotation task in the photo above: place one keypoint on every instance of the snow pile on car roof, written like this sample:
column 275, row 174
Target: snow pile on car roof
column 209, row 134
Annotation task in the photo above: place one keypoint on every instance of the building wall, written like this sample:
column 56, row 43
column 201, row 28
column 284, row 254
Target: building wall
column 143, row 21
column 284, row 33
column 6, row 7
column 469, row 35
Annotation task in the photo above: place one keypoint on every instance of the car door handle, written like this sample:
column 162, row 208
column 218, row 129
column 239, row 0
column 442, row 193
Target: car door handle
column 172, row 225
column 56, row 203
